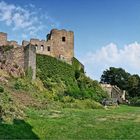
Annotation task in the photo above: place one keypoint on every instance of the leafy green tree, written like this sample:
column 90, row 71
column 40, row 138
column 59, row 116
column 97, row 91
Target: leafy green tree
column 116, row 76
column 123, row 79
column 134, row 85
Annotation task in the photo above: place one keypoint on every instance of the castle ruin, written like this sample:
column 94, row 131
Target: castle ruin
column 58, row 44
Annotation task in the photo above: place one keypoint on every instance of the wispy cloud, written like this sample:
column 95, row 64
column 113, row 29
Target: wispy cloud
column 29, row 20
column 111, row 55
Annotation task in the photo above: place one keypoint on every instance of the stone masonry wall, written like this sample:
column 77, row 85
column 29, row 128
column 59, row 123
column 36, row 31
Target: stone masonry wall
column 30, row 59
column 3, row 39
column 63, row 44
column 59, row 44
column 12, row 61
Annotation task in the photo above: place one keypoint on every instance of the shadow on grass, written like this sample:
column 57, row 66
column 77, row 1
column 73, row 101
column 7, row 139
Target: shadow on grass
column 18, row 130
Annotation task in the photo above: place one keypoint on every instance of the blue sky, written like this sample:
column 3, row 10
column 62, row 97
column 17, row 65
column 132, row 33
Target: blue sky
column 107, row 32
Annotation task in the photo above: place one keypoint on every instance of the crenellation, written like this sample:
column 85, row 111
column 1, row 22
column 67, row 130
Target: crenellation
column 13, row 43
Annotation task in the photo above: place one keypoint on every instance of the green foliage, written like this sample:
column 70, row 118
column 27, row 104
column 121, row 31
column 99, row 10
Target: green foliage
column 77, row 65
column 1, row 89
column 9, row 110
column 124, row 80
column 5, row 48
column 135, row 101
column 81, row 104
column 29, row 73
column 21, row 84
column 91, row 89
column 64, row 79
column 134, row 86
column 115, row 76
column 56, row 75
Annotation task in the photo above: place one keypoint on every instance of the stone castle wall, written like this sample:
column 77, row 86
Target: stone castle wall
column 114, row 92
column 59, row 44
column 30, row 59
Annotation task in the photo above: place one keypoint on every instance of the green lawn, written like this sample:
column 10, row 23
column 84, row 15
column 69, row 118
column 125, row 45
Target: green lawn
column 74, row 124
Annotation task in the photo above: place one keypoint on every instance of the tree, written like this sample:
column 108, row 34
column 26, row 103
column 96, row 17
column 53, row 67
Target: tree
column 123, row 79
column 134, row 85
column 116, row 76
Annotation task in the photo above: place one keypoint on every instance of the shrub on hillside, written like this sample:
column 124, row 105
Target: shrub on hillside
column 77, row 65
column 83, row 104
column 91, row 89
column 135, row 101
column 21, row 84
column 9, row 110
column 1, row 89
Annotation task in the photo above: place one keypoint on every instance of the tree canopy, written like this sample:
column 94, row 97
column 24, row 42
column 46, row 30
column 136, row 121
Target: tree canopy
column 123, row 79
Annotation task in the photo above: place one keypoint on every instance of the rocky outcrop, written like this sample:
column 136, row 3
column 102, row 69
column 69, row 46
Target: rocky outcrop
column 12, row 61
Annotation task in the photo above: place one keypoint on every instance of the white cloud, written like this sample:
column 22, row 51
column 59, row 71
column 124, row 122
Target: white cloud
column 111, row 55
column 29, row 20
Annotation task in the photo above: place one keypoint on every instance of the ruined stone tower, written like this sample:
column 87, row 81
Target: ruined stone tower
column 58, row 44
column 62, row 44
column 3, row 39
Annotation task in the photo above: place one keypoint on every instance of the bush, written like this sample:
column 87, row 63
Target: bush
column 91, row 89
column 83, row 104
column 21, row 84
column 135, row 101
column 77, row 65
column 1, row 89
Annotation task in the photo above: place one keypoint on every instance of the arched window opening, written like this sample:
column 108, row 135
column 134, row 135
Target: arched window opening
column 42, row 47
column 64, row 39
column 49, row 48
column 36, row 46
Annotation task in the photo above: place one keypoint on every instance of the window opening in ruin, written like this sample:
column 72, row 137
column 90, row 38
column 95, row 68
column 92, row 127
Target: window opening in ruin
column 49, row 48
column 36, row 46
column 64, row 39
column 42, row 48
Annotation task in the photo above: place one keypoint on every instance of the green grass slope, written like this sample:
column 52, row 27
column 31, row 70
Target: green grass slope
column 67, row 80
column 61, row 104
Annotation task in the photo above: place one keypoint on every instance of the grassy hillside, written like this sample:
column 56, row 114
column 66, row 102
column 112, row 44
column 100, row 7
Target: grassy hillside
column 62, row 103
column 67, row 80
